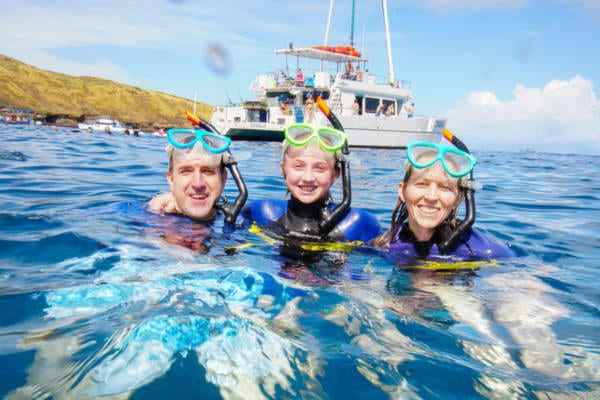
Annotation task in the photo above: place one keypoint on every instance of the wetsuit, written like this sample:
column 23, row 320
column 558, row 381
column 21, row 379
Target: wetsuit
column 472, row 246
column 295, row 218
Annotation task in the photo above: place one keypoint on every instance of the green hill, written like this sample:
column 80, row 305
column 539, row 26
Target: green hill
column 66, row 99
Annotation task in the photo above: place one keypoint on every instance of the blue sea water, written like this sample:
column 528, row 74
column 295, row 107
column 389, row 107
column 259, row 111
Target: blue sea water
column 100, row 298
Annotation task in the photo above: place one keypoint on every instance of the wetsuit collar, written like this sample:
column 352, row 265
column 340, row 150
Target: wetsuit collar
column 313, row 210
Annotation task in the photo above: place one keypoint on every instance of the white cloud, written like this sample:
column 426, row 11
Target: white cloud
column 453, row 6
column 563, row 116
column 589, row 8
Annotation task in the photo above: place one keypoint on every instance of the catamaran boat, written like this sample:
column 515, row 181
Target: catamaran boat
column 374, row 111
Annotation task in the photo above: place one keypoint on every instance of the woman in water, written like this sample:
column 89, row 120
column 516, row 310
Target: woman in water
column 424, row 222
column 311, row 162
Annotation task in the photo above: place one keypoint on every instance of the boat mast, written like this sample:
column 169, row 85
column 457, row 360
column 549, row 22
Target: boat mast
column 387, row 42
column 352, row 26
column 328, row 23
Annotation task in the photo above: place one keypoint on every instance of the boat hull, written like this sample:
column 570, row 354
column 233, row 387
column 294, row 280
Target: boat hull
column 393, row 132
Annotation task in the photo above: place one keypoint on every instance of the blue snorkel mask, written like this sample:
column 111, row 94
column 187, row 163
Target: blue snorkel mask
column 456, row 162
column 187, row 138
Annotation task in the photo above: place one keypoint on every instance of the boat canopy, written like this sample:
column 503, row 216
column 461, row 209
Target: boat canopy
column 322, row 55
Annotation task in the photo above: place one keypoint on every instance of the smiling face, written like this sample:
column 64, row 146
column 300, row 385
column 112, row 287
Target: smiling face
column 430, row 195
column 309, row 172
column 197, row 182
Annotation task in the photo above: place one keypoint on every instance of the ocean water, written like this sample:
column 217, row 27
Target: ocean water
column 100, row 298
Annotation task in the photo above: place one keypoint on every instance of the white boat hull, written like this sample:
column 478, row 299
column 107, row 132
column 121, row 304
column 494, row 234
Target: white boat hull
column 394, row 132
column 103, row 125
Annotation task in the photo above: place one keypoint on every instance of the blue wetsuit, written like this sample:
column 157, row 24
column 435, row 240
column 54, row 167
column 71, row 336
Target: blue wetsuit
column 302, row 220
column 472, row 246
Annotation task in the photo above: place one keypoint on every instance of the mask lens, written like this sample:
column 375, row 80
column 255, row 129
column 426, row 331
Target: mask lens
column 298, row 135
column 182, row 138
column 331, row 140
column 215, row 143
column 422, row 155
column 457, row 164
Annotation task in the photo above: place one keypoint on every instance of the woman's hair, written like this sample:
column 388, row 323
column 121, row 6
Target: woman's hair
column 400, row 213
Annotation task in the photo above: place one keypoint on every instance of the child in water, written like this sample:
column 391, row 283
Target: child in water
column 310, row 165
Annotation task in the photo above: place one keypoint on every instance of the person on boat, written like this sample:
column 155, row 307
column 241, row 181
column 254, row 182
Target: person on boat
column 299, row 77
column 309, row 110
column 355, row 107
column 410, row 110
column 380, row 109
column 437, row 178
column 349, row 70
column 390, row 110
column 358, row 74
column 197, row 175
column 312, row 159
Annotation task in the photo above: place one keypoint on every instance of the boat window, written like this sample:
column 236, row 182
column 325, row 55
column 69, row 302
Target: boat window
column 371, row 104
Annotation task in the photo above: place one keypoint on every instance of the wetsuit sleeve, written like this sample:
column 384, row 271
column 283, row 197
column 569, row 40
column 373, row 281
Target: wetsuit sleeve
column 264, row 211
column 360, row 225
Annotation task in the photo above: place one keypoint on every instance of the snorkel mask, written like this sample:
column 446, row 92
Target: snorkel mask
column 458, row 163
column 329, row 139
column 187, row 144
column 207, row 140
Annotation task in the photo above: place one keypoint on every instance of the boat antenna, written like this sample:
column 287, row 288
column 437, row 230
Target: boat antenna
column 231, row 211
column 239, row 93
column 387, row 41
column 340, row 211
column 227, row 94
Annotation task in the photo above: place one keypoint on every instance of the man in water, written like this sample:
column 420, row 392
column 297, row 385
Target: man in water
column 196, row 176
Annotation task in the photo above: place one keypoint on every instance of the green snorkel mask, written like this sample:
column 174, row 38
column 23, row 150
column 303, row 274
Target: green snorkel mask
column 329, row 139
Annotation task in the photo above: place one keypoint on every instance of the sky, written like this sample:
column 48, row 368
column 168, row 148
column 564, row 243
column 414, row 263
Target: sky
column 508, row 75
